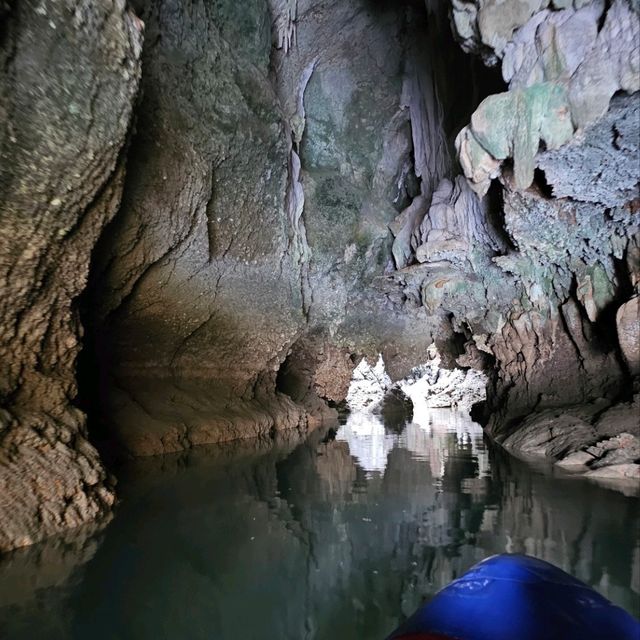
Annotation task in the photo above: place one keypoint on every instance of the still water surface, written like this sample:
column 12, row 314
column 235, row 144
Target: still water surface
column 332, row 537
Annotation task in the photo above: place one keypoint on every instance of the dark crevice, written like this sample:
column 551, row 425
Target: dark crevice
column 603, row 17
column 495, row 216
column 541, row 185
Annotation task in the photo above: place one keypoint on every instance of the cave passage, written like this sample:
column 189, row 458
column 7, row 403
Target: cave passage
column 306, row 306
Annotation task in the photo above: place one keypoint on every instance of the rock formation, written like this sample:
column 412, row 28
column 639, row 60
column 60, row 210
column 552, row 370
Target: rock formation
column 539, row 275
column 261, row 193
column 69, row 78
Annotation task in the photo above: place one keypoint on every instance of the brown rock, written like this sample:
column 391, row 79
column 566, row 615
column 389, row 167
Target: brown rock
column 628, row 325
column 67, row 89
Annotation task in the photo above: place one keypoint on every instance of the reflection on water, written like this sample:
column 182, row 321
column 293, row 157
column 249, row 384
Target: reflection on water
column 324, row 538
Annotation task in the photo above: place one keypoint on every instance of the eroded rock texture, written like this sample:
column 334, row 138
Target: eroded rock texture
column 197, row 289
column 70, row 73
column 271, row 158
column 562, row 64
column 540, row 273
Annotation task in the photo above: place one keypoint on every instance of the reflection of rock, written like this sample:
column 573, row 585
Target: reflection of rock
column 436, row 434
column 35, row 583
column 27, row 572
column 395, row 410
column 432, row 436
column 317, row 547
column 369, row 443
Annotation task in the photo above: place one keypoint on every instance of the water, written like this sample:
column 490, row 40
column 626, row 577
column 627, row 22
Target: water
column 309, row 539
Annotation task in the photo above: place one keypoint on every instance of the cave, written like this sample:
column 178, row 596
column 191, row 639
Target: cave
column 217, row 216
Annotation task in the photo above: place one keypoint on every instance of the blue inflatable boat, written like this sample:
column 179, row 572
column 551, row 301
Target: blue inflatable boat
column 516, row 597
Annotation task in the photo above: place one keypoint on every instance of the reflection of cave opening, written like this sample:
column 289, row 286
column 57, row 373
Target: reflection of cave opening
column 385, row 415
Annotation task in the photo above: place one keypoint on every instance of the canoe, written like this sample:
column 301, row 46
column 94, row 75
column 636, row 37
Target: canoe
column 516, row 597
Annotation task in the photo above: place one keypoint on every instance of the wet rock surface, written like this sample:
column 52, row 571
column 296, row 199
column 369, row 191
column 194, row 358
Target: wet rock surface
column 600, row 444
column 68, row 80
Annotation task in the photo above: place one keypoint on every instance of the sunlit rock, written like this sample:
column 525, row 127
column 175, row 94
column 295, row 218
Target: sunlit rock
column 368, row 385
column 431, row 386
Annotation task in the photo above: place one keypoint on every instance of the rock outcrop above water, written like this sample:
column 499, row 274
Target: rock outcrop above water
column 602, row 443
column 539, row 276
column 69, row 74
column 433, row 387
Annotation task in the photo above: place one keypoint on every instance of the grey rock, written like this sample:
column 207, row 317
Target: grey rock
column 562, row 69
column 617, row 472
column 613, row 64
column 621, row 418
column 600, row 165
column 455, row 223
column 575, row 460
column 550, row 434
column 551, row 45
column 620, row 449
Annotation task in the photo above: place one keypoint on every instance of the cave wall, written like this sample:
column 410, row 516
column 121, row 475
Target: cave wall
column 68, row 80
column 196, row 291
column 539, row 273
column 270, row 159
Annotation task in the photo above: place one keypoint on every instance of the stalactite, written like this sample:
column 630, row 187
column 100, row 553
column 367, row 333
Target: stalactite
column 294, row 202
column 431, row 154
column 284, row 14
column 420, row 95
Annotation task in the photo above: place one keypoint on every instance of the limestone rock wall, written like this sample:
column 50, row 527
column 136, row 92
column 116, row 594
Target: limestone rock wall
column 271, row 157
column 532, row 269
column 196, row 292
column 68, row 80
column 562, row 64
